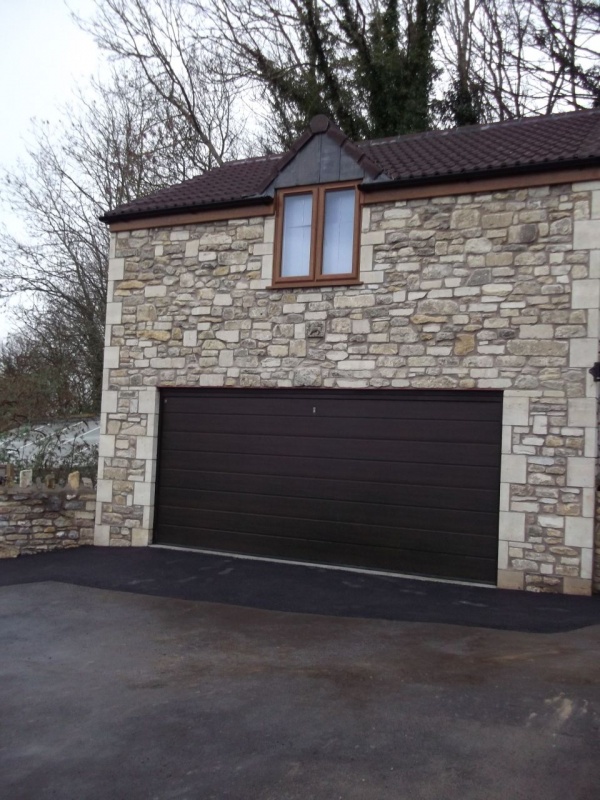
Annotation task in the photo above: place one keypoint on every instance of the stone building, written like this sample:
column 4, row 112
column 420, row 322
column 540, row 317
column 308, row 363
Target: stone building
column 372, row 354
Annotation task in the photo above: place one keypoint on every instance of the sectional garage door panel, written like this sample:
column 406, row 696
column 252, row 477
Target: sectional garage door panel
column 396, row 480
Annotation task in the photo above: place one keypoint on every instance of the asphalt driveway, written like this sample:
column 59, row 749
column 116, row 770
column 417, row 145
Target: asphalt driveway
column 158, row 674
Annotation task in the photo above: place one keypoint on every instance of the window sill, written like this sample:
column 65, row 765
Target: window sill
column 310, row 284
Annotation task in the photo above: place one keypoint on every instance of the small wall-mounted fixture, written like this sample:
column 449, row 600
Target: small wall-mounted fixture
column 595, row 371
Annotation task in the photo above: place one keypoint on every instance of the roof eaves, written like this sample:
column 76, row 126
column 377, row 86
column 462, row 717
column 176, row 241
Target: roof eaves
column 253, row 200
column 405, row 181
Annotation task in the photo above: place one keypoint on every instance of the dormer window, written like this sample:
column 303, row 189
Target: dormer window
column 317, row 236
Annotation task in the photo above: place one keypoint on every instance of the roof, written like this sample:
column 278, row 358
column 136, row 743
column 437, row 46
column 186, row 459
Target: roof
column 529, row 144
column 531, row 141
column 233, row 182
column 322, row 125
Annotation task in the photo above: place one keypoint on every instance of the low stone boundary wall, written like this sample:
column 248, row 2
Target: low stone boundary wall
column 36, row 520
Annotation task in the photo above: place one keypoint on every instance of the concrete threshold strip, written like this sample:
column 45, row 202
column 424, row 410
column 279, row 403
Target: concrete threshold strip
column 336, row 567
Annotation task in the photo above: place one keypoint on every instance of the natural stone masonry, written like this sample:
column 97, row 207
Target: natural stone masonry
column 479, row 291
column 35, row 520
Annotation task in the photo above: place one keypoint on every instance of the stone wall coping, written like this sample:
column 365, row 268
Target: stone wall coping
column 34, row 492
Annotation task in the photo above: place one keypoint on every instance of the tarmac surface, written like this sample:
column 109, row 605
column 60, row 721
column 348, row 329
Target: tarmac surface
column 112, row 686
column 276, row 586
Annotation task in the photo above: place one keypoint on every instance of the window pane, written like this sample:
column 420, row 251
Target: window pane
column 297, row 228
column 339, row 232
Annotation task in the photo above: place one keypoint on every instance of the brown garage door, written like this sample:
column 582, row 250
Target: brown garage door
column 406, row 481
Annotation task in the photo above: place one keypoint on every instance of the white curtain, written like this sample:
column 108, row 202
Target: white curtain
column 339, row 232
column 297, row 228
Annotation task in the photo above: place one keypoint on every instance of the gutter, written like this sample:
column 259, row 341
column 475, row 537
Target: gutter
column 367, row 187
column 255, row 200
column 499, row 172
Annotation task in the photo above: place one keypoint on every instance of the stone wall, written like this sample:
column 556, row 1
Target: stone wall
column 36, row 520
column 490, row 290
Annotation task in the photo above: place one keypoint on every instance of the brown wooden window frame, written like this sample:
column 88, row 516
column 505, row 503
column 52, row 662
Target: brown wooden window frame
column 316, row 277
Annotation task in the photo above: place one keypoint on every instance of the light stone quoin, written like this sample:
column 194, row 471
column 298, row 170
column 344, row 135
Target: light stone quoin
column 495, row 290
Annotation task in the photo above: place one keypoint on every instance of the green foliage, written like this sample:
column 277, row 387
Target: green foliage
column 371, row 73
column 463, row 104
column 397, row 69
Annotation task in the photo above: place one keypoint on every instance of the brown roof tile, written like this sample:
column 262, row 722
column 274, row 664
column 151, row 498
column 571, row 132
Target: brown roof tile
column 534, row 143
column 227, row 185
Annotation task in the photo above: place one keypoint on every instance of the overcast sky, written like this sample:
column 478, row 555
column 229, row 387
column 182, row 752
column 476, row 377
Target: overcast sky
column 43, row 55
